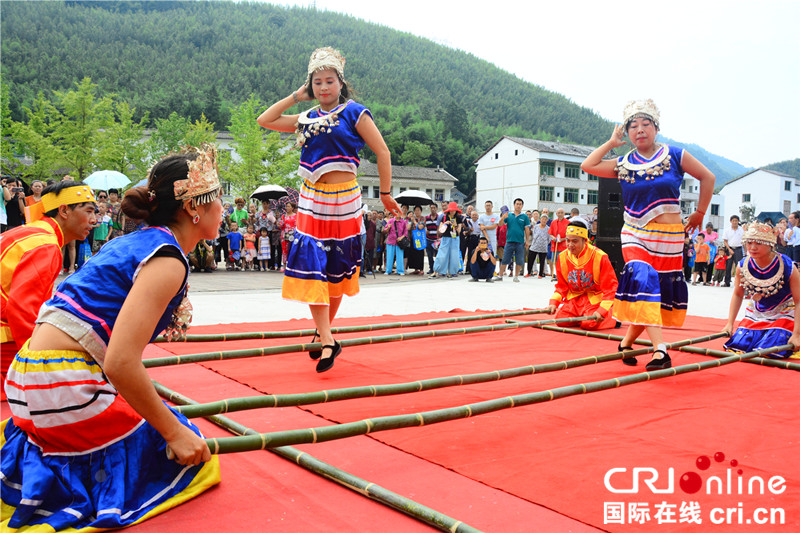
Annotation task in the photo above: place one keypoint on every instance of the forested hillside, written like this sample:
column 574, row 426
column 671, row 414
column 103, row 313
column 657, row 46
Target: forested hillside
column 434, row 105
column 791, row 167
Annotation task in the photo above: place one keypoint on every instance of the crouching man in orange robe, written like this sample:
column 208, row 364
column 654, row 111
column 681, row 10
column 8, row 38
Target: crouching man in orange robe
column 586, row 282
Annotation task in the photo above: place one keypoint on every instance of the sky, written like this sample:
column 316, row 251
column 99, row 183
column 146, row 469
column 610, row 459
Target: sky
column 724, row 74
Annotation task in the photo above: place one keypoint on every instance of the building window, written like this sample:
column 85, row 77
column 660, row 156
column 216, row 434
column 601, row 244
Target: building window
column 572, row 171
column 516, row 152
column 592, row 177
column 439, row 195
column 787, row 185
column 365, row 191
column 592, row 197
column 798, row 198
column 545, row 194
column 715, row 210
column 571, row 196
column 548, row 168
column 745, row 198
column 787, row 207
column 376, row 191
column 496, row 156
column 683, row 185
column 402, row 189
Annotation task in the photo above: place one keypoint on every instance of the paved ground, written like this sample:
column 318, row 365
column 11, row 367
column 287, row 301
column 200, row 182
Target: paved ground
column 231, row 297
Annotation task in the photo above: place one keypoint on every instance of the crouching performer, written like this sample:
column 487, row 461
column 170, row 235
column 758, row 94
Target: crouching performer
column 586, row 283
column 772, row 284
column 86, row 445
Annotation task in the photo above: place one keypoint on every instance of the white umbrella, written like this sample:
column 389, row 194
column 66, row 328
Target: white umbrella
column 413, row 197
column 107, row 179
column 269, row 192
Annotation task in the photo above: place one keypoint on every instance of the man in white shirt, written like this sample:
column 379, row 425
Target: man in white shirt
column 732, row 238
column 487, row 222
column 792, row 237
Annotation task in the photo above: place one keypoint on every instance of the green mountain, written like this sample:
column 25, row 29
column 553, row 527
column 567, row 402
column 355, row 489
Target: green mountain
column 791, row 167
column 434, row 105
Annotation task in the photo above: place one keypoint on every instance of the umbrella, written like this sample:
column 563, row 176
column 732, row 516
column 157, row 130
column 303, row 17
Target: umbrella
column 269, row 192
column 107, row 179
column 413, row 197
column 141, row 183
column 292, row 196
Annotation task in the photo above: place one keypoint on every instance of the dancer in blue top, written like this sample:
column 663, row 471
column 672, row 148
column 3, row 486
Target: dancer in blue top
column 325, row 259
column 652, row 291
column 772, row 283
column 87, row 443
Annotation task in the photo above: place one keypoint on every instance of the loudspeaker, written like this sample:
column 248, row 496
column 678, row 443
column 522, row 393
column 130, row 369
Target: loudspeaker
column 609, row 220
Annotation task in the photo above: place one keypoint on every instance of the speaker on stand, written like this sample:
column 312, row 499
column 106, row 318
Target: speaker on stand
column 609, row 220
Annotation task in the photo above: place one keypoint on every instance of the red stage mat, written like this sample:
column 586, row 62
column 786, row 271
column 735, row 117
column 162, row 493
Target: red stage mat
column 732, row 422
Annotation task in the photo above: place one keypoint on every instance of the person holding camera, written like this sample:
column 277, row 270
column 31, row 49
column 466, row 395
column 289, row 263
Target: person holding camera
column 14, row 201
column 482, row 262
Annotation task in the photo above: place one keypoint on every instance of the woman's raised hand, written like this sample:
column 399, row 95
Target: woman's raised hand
column 618, row 137
column 301, row 94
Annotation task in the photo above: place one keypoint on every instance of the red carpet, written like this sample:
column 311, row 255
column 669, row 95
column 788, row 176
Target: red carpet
column 531, row 468
column 557, row 454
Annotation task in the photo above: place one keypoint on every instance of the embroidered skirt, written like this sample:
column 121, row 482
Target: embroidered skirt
column 652, row 290
column 325, row 258
column 76, row 455
column 764, row 329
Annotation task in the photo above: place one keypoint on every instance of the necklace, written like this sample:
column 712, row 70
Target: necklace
column 307, row 126
column 755, row 288
column 649, row 170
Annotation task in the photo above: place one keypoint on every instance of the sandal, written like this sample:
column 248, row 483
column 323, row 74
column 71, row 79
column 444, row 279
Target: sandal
column 660, row 363
column 327, row 363
column 315, row 354
column 630, row 361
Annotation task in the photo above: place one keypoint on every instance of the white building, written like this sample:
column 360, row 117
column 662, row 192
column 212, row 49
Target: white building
column 765, row 190
column 546, row 174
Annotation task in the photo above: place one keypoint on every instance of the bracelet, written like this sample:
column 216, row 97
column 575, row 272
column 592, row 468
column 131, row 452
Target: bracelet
column 390, row 192
column 294, row 97
column 701, row 212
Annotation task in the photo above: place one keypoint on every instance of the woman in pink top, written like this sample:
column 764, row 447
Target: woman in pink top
column 396, row 228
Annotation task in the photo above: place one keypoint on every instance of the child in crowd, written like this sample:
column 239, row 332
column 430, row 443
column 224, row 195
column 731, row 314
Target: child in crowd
column 688, row 257
column 234, row 247
column 103, row 227
column 264, row 252
column 702, row 255
column 719, row 266
column 250, row 247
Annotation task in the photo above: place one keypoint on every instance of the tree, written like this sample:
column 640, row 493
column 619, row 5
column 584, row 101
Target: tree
column 169, row 135
column 748, row 212
column 416, row 154
column 120, row 146
column 80, row 116
column 259, row 159
column 33, row 140
column 200, row 131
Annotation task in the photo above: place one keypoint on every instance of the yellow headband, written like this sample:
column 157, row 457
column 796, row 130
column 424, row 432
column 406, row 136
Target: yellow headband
column 578, row 232
column 78, row 194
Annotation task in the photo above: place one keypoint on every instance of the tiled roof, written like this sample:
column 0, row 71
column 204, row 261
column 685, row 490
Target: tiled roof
column 371, row 169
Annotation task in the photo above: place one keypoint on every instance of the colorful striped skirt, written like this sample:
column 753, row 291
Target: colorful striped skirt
column 652, row 290
column 325, row 258
column 764, row 329
column 76, row 455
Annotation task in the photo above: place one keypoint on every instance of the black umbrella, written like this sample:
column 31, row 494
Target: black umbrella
column 413, row 198
column 269, row 192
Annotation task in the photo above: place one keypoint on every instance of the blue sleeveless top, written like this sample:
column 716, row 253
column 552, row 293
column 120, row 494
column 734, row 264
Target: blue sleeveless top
column 335, row 150
column 94, row 295
column 650, row 187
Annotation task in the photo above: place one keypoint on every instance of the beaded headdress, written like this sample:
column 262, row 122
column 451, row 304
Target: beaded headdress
column 760, row 233
column 641, row 109
column 202, row 181
column 326, row 58
column 77, row 194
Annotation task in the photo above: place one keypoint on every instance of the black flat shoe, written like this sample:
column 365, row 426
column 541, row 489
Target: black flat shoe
column 326, row 364
column 315, row 354
column 630, row 361
column 659, row 364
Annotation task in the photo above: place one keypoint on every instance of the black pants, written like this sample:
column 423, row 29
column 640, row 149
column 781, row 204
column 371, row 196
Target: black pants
column 472, row 243
column 734, row 259
column 532, row 261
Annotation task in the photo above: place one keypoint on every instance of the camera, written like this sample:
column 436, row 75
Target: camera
column 16, row 190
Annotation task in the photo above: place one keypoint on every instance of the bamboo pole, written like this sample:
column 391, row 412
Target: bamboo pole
column 763, row 361
column 362, row 427
column 222, row 337
column 258, row 352
column 285, row 400
column 375, row 492
column 776, row 363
